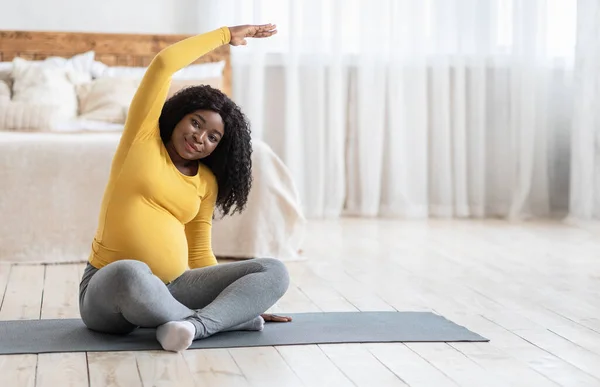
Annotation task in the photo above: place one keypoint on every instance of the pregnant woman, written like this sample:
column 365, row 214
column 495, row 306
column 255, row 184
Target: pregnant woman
column 177, row 161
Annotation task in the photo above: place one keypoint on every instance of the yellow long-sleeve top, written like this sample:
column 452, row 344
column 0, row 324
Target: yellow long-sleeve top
column 150, row 211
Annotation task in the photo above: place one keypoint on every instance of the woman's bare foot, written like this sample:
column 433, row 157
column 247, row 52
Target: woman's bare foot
column 176, row 336
column 275, row 318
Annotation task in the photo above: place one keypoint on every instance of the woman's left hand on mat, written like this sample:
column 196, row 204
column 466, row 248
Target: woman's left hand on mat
column 275, row 318
column 240, row 33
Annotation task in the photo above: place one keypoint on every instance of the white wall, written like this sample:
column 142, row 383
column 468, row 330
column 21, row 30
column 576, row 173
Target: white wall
column 127, row 16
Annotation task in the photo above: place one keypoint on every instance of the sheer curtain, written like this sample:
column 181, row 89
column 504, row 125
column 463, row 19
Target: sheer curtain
column 412, row 108
column 585, row 166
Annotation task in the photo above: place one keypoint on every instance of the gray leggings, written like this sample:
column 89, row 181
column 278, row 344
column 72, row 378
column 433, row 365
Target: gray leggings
column 125, row 295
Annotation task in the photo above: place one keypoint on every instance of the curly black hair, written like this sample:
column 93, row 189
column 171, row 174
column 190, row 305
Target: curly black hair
column 231, row 161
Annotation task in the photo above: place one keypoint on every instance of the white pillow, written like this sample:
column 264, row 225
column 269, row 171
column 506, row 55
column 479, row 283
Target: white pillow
column 192, row 72
column 46, row 85
column 80, row 64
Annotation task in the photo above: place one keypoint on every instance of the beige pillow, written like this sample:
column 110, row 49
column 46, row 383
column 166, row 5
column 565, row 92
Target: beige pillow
column 178, row 84
column 106, row 99
column 4, row 91
column 5, row 71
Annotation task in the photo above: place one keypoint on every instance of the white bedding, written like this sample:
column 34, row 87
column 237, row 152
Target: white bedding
column 51, row 185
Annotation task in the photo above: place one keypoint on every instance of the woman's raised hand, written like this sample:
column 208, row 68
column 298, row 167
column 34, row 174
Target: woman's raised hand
column 240, row 33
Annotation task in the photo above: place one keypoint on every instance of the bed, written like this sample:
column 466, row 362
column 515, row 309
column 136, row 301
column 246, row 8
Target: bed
column 51, row 182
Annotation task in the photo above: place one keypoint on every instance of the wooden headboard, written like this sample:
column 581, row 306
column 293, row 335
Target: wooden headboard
column 111, row 49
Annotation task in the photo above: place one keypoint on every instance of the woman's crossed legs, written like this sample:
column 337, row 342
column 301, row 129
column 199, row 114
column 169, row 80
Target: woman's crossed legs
column 125, row 295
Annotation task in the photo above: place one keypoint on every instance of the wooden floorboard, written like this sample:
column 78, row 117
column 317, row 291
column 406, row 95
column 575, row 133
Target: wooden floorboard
column 412, row 368
column 161, row 368
column 24, row 292
column 113, row 369
column 264, row 366
column 532, row 288
column 538, row 359
column 215, row 368
column 61, row 290
column 22, row 301
column 361, row 366
column 4, row 274
column 313, row 367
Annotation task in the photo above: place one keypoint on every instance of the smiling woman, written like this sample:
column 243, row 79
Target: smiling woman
column 177, row 161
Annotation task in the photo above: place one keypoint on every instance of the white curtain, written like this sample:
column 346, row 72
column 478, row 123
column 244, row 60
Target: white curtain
column 585, row 166
column 412, row 108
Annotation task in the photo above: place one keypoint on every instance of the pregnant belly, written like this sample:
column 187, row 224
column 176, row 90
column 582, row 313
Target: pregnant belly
column 154, row 237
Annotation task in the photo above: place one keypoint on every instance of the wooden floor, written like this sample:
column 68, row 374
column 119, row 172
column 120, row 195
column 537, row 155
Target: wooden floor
column 532, row 288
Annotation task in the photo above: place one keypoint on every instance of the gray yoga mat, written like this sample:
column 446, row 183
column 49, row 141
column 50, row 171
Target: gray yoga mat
column 71, row 335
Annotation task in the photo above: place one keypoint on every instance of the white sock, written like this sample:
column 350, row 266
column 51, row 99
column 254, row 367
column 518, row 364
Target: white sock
column 256, row 324
column 176, row 336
